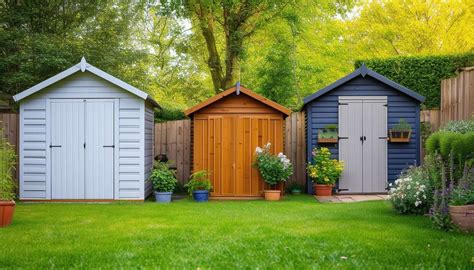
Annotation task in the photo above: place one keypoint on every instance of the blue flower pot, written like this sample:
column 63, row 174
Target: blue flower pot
column 163, row 197
column 201, row 195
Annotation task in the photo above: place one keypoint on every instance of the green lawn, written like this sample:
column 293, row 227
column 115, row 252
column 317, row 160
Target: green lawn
column 295, row 233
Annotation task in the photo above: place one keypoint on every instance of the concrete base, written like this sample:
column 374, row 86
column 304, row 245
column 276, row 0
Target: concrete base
column 351, row 198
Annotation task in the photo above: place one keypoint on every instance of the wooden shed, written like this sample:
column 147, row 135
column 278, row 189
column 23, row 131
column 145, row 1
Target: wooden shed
column 226, row 130
column 85, row 135
column 364, row 105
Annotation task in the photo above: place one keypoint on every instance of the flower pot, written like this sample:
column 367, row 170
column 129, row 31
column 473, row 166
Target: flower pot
column 463, row 216
column 163, row 197
column 322, row 190
column 272, row 195
column 201, row 195
column 7, row 208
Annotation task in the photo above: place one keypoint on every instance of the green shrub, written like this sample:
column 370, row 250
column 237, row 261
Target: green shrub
column 422, row 74
column 273, row 168
column 199, row 181
column 163, row 178
column 445, row 142
column 7, row 163
column 463, row 126
column 412, row 193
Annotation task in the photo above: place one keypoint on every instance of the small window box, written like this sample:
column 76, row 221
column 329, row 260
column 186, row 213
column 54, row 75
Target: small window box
column 400, row 136
column 401, row 132
column 328, row 135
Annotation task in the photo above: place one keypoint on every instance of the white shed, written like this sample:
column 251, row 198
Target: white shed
column 85, row 135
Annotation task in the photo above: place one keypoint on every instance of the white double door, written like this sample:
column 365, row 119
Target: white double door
column 82, row 149
column 363, row 144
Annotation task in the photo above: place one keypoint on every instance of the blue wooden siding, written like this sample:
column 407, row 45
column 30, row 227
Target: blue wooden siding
column 324, row 110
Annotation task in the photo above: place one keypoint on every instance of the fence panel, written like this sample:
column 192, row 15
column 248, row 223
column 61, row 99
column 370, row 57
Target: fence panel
column 457, row 96
column 9, row 125
column 173, row 139
column 295, row 147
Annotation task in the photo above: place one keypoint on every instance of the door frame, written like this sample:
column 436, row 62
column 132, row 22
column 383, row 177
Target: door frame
column 368, row 99
column 115, row 162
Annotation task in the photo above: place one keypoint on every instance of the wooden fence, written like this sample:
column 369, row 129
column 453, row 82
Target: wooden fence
column 295, row 147
column 457, row 96
column 9, row 126
column 173, row 139
column 432, row 117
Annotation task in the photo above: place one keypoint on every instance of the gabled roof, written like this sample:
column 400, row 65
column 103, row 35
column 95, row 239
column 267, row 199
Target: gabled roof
column 83, row 66
column 364, row 71
column 238, row 89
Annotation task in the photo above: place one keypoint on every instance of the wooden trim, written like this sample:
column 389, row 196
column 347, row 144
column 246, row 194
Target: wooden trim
column 244, row 90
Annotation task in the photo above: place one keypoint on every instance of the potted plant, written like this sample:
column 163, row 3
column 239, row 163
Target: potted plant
column 400, row 132
column 7, row 184
column 274, row 169
column 461, row 206
column 324, row 171
column 164, row 182
column 199, row 186
column 328, row 134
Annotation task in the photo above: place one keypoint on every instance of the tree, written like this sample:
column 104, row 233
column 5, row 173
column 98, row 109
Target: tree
column 235, row 21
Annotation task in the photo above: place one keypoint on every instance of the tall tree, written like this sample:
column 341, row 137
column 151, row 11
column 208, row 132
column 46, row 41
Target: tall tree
column 225, row 26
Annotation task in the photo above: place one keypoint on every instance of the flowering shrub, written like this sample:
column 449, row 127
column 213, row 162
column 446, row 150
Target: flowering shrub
column 274, row 169
column 462, row 126
column 323, row 169
column 7, row 163
column 412, row 193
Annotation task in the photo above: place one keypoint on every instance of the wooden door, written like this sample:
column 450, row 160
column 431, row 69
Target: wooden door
column 375, row 145
column 363, row 144
column 225, row 146
column 350, row 146
column 67, row 149
column 99, row 150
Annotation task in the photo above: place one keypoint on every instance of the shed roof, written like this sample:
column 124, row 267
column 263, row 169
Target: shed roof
column 83, row 66
column 238, row 89
column 364, row 71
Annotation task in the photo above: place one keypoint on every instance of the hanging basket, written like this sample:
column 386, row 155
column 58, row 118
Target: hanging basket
column 400, row 136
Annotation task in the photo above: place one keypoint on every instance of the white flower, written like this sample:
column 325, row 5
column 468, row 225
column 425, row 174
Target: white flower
column 268, row 145
column 417, row 203
column 258, row 150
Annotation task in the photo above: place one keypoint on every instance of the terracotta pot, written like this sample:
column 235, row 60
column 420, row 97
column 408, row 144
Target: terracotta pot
column 322, row 190
column 463, row 216
column 7, row 208
column 272, row 195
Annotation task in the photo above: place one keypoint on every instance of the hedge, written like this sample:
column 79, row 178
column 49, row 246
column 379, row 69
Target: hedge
column 422, row 74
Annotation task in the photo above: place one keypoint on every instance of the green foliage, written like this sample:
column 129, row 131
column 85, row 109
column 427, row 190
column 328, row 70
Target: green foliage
column 323, row 169
column 330, row 126
column 445, row 142
column 163, row 178
column 402, row 125
column 169, row 114
column 7, row 163
column 426, row 131
column 462, row 126
column 273, row 168
column 421, row 74
column 199, row 181
column 412, row 193
column 462, row 195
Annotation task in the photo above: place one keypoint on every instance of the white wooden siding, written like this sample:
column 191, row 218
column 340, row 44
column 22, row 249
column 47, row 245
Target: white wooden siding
column 83, row 85
column 129, row 131
column 131, row 149
column 33, row 150
column 149, row 146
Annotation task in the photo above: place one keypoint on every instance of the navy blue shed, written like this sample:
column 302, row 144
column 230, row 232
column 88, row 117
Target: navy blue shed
column 354, row 117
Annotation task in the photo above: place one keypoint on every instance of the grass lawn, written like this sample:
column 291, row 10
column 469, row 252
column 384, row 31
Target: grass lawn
column 295, row 233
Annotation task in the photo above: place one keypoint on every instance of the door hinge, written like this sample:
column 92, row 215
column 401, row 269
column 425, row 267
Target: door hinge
column 341, row 103
column 51, row 146
column 342, row 138
column 109, row 146
column 385, row 105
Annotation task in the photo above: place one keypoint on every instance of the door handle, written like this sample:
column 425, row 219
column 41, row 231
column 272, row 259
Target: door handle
column 51, row 146
column 109, row 146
